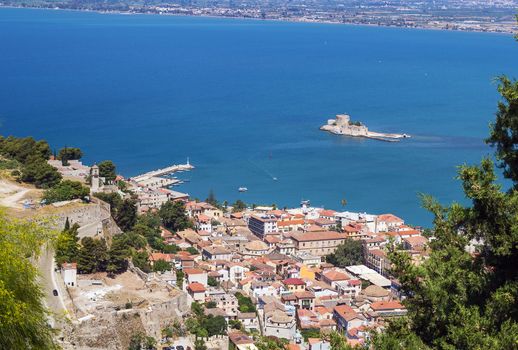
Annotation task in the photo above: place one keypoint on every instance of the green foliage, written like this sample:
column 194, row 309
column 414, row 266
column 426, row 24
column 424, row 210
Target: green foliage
column 238, row 206
column 161, row 266
column 339, row 342
column 504, row 131
column 67, row 244
column 214, row 325
column 199, row 344
column 235, row 324
column 93, row 255
column 123, row 211
column 133, row 240
column 126, row 216
column 211, row 199
column 346, row 254
column 210, row 305
column 118, row 256
column 107, row 170
column 310, row 333
column 21, row 149
column 245, row 303
column 174, row 217
column 9, row 164
column 170, row 249
column 197, row 309
column 23, row 316
column 211, row 281
column 271, row 343
column 140, row 341
column 141, row 260
column 148, row 226
column 33, row 156
column 459, row 300
column 66, row 190
column 37, row 171
column 70, row 153
column 192, row 251
column 179, row 278
column 203, row 325
column 113, row 199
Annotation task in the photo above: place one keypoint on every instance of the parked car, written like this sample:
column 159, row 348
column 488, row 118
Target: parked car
column 179, row 347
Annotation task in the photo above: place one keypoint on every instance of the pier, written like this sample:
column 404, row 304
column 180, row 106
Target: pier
column 165, row 171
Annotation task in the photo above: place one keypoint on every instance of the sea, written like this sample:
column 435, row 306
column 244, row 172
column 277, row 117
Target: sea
column 243, row 101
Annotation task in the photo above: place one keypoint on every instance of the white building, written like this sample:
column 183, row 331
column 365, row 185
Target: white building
column 69, row 274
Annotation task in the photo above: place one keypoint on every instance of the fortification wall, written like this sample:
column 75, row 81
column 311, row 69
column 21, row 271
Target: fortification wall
column 94, row 219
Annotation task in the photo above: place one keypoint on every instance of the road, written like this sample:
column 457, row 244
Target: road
column 55, row 304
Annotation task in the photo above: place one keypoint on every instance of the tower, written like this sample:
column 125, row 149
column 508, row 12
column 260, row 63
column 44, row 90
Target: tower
column 95, row 179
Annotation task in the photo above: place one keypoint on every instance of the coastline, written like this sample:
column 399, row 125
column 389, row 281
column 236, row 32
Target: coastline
column 279, row 20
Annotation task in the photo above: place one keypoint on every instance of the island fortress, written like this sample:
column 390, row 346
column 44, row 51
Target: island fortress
column 343, row 125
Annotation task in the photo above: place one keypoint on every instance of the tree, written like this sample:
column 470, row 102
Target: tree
column 113, row 199
column 107, row 170
column 141, row 260
column 235, row 324
column 271, row 343
column 23, row 315
column 348, row 253
column 179, row 278
column 67, row 244
column 21, row 149
column 339, row 342
column 117, row 256
column 215, row 325
column 66, row 190
column 210, row 305
column 197, row 309
column 70, row 153
column 457, row 299
column 310, row 333
column 161, row 266
column 211, row 281
column 504, row 131
column 93, row 255
column 238, row 206
column 245, row 303
column 126, row 216
column 199, row 344
column 174, row 217
column 170, row 249
column 38, row 172
column 211, row 199
column 140, row 341
column 133, row 240
column 192, row 251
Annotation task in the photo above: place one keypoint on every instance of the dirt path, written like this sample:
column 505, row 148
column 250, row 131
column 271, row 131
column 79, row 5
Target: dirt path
column 12, row 194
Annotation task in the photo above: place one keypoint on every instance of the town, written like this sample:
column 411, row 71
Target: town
column 207, row 275
column 477, row 15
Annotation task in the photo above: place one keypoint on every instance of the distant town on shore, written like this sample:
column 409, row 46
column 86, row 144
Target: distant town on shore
column 477, row 15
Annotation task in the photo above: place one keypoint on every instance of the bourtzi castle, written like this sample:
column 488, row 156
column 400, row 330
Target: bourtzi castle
column 344, row 126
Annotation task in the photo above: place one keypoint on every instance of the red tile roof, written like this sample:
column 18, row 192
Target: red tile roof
column 196, row 287
column 386, row 305
column 294, row 282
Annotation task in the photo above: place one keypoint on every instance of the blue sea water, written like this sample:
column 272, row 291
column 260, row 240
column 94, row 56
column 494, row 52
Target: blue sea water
column 244, row 100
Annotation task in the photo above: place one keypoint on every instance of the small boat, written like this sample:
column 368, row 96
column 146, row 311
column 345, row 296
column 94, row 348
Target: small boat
column 242, row 189
column 274, row 179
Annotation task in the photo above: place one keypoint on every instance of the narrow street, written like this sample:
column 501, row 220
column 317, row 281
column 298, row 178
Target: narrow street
column 54, row 303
